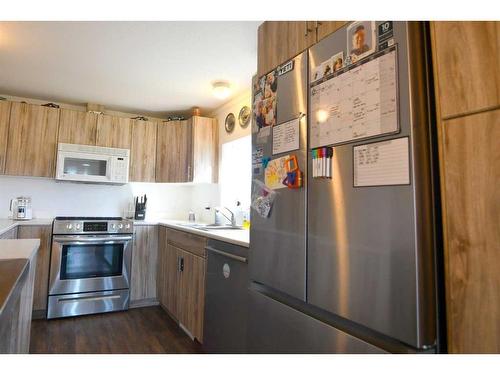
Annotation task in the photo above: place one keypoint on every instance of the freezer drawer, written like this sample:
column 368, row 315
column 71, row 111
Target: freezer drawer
column 225, row 298
column 277, row 328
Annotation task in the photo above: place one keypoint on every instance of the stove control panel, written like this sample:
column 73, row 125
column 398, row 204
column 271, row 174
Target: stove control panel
column 73, row 226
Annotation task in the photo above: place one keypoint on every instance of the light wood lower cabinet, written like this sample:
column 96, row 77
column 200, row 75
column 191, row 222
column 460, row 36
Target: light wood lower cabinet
column 32, row 141
column 471, row 210
column 144, row 263
column 181, row 281
column 191, row 296
column 40, row 294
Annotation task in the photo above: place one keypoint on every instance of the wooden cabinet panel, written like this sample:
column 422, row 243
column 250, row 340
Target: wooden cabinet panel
column 187, row 241
column 4, row 131
column 279, row 41
column 192, row 294
column 173, row 152
column 171, row 264
column 143, row 151
column 161, row 274
column 43, row 232
column 205, row 149
column 144, row 263
column 325, row 28
column 471, row 158
column 181, row 278
column 77, row 127
column 113, row 131
column 32, row 141
column 467, row 63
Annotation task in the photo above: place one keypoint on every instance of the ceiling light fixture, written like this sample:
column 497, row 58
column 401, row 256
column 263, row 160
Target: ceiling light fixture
column 221, row 89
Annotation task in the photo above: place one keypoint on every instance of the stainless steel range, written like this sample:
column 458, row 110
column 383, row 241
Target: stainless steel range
column 89, row 266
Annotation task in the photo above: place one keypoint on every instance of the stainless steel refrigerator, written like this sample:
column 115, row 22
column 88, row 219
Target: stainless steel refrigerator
column 347, row 264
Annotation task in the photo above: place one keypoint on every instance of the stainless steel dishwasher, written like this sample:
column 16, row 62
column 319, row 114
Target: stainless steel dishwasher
column 225, row 298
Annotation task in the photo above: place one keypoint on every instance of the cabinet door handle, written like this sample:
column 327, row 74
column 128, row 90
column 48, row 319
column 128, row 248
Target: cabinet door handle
column 307, row 29
column 182, row 265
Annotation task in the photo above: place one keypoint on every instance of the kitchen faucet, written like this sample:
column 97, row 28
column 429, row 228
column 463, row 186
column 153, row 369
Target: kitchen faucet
column 232, row 219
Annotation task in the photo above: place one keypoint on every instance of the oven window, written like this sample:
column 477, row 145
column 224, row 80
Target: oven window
column 89, row 167
column 86, row 261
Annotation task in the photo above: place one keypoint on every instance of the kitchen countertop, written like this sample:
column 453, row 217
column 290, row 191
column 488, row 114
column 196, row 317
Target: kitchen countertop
column 15, row 255
column 239, row 237
column 8, row 224
column 12, row 271
column 235, row 236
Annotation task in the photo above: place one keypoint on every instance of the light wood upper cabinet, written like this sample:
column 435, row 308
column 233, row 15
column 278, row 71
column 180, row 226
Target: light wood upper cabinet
column 143, row 151
column 144, row 263
column 32, row 140
column 279, row 41
column 467, row 66
column 192, row 293
column 114, row 131
column 325, row 28
column 77, row 127
column 173, row 152
column 205, row 149
column 44, row 233
column 4, row 132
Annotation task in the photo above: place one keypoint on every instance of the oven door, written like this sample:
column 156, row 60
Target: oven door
column 90, row 263
column 86, row 167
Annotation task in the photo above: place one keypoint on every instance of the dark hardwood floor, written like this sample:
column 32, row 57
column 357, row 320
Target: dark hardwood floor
column 143, row 330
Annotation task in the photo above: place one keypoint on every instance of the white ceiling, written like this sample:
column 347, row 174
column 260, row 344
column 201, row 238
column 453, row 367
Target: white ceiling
column 154, row 68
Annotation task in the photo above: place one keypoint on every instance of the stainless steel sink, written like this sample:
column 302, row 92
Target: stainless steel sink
column 217, row 226
column 209, row 226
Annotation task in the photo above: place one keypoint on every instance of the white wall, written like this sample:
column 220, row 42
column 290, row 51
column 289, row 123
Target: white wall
column 51, row 198
column 234, row 105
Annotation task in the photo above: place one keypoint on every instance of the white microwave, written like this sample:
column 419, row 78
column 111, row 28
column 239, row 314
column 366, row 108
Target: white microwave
column 92, row 164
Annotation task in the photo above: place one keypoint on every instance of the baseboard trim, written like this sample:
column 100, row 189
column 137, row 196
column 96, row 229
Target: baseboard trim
column 38, row 314
column 143, row 303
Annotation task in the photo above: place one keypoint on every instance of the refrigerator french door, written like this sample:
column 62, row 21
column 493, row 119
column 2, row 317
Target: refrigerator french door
column 359, row 274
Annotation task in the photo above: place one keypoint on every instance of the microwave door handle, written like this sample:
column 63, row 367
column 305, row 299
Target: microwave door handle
column 109, row 168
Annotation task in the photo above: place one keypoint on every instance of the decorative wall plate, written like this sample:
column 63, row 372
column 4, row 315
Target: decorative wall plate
column 230, row 122
column 244, row 116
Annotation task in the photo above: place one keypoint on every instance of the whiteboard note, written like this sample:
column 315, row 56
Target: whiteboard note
column 382, row 163
column 286, row 136
column 358, row 103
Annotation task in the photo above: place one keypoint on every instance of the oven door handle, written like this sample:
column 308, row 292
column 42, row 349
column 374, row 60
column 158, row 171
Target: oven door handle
column 83, row 240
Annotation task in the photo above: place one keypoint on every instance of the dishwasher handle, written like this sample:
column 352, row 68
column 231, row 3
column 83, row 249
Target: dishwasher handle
column 228, row 255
